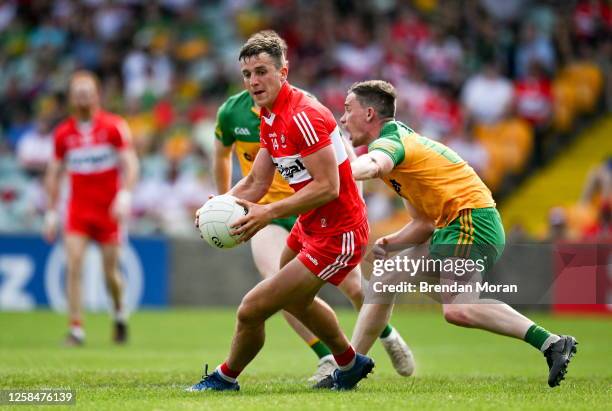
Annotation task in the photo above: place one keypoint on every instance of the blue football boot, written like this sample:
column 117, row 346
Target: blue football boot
column 213, row 382
column 347, row 380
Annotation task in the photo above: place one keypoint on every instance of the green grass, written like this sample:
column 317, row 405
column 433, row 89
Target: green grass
column 457, row 368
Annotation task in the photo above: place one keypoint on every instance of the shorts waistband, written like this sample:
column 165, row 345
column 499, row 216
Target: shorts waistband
column 486, row 210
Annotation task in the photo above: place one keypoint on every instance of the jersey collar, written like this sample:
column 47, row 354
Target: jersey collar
column 388, row 126
column 281, row 99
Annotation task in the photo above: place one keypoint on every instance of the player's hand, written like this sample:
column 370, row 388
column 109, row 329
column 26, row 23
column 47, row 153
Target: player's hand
column 255, row 219
column 380, row 251
column 121, row 207
column 50, row 225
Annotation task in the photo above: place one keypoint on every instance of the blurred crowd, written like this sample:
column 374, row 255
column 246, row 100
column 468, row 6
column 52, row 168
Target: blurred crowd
column 498, row 81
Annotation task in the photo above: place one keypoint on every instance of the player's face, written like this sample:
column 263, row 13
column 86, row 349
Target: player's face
column 83, row 93
column 354, row 120
column 262, row 78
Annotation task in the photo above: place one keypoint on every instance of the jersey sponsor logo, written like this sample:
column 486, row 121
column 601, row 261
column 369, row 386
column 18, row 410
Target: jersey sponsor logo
column 91, row 159
column 396, row 186
column 248, row 157
column 242, row 131
column 292, row 169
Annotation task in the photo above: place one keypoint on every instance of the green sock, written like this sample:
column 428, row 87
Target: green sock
column 319, row 348
column 537, row 336
column 386, row 331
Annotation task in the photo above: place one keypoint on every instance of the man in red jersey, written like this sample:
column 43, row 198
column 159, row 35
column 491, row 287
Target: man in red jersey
column 94, row 147
column 301, row 139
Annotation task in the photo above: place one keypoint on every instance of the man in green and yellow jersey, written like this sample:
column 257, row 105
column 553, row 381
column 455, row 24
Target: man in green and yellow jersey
column 451, row 209
column 237, row 129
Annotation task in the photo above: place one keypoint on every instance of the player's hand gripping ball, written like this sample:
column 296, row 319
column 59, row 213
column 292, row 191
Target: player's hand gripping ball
column 215, row 218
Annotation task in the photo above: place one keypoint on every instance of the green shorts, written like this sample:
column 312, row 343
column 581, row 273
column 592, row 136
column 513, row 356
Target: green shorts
column 476, row 234
column 286, row 222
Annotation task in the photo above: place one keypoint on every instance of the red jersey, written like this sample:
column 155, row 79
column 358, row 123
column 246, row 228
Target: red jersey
column 297, row 126
column 91, row 156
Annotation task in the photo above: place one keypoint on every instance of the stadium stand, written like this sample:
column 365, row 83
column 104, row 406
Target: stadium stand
column 166, row 65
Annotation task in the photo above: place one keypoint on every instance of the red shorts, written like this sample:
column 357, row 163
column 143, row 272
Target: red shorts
column 100, row 227
column 330, row 258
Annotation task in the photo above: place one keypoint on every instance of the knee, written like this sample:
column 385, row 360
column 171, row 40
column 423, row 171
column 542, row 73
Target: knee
column 355, row 294
column 352, row 290
column 458, row 314
column 248, row 312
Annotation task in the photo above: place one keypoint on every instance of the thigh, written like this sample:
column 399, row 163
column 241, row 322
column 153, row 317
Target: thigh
column 110, row 255
column 267, row 247
column 294, row 284
column 75, row 245
column 459, row 281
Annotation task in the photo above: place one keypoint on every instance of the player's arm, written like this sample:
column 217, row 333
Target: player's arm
column 52, row 187
column 384, row 154
column 128, row 162
column 256, row 184
column 323, row 188
column 375, row 164
column 417, row 231
column 222, row 166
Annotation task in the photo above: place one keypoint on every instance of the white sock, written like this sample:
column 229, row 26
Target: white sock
column 77, row 332
column 390, row 336
column 549, row 341
column 225, row 377
column 120, row 315
column 328, row 357
column 349, row 365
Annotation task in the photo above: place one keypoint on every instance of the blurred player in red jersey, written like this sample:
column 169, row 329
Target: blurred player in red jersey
column 300, row 138
column 94, row 147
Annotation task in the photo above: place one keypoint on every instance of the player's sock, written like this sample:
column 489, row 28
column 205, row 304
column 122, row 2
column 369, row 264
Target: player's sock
column 319, row 348
column 120, row 315
column 76, row 329
column 346, row 360
column 387, row 331
column 227, row 373
column 540, row 338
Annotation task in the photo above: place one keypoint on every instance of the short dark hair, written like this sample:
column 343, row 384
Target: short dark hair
column 265, row 41
column 377, row 94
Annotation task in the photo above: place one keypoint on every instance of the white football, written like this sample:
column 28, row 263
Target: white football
column 215, row 219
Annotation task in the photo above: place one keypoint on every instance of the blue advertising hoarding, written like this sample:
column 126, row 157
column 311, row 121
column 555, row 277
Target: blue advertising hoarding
column 32, row 274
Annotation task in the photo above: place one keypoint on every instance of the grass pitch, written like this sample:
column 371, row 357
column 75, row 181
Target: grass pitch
column 457, row 368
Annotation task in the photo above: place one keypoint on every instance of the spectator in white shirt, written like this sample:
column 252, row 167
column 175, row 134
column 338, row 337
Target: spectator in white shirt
column 487, row 96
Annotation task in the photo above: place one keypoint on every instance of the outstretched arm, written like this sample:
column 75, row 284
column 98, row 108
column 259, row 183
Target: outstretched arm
column 417, row 231
column 374, row 164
